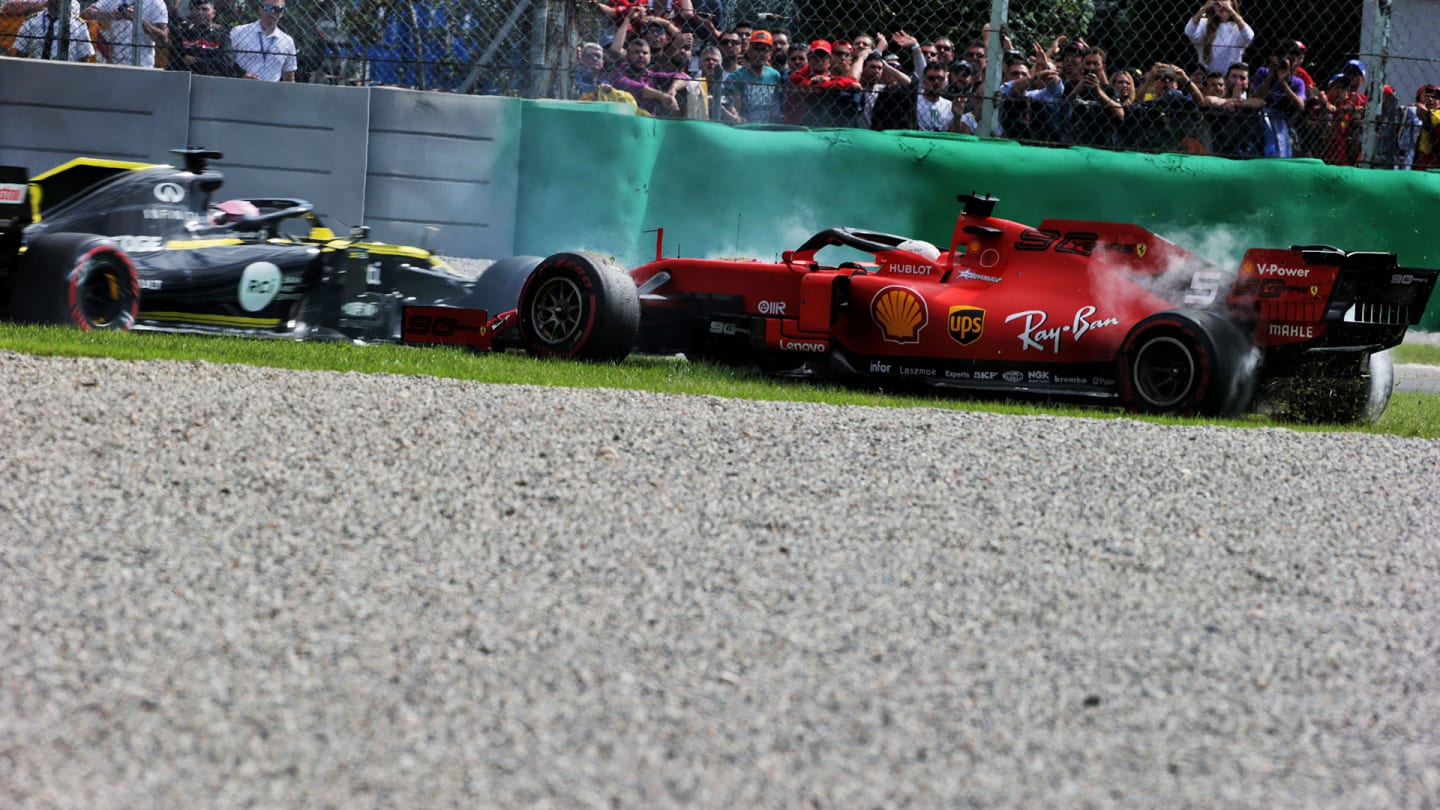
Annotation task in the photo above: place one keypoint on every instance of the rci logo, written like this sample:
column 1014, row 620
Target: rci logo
column 966, row 324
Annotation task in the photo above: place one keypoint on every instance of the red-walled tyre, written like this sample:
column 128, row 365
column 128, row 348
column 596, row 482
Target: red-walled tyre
column 78, row 279
column 1187, row 363
column 581, row 306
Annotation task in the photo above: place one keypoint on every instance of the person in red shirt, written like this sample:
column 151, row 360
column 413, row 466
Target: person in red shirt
column 814, row 90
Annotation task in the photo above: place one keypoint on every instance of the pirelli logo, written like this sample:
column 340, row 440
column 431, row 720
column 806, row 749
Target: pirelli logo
column 965, row 324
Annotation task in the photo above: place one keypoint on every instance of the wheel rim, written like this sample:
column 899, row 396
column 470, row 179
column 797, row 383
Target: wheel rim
column 558, row 310
column 1164, row 372
column 103, row 298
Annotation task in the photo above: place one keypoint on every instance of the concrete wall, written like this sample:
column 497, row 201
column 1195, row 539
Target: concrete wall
column 419, row 168
column 489, row 177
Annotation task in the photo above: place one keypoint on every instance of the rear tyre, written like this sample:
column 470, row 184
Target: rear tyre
column 1333, row 400
column 79, row 279
column 579, row 305
column 1187, row 363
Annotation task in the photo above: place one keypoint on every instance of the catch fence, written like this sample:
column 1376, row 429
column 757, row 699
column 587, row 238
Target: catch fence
column 1365, row 69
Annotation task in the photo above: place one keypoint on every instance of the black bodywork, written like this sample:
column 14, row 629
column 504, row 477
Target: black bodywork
column 281, row 273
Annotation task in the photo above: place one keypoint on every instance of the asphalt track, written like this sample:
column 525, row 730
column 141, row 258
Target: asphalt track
column 227, row 586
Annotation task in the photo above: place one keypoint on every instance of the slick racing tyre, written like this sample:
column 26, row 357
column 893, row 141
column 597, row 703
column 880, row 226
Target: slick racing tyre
column 1187, row 363
column 497, row 288
column 77, row 279
column 1329, row 397
column 579, row 305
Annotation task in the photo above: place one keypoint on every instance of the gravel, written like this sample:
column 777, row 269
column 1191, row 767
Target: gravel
column 227, row 586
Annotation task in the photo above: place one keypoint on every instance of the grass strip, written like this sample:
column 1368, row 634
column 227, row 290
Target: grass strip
column 1409, row 415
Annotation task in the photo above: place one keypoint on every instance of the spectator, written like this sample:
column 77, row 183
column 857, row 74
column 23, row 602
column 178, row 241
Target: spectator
column 842, row 60
column 713, row 79
column 927, row 56
column 1122, row 82
column 1295, row 49
column 125, row 43
column 1220, row 35
column 1168, row 115
column 262, row 50
column 781, row 51
column 934, row 112
column 1354, row 73
column 872, row 84
column 818, row 97
column 661, row 34
column 864, row 45
column 200, row 45
column 1284, row 95
column 1420, row 134
column 654, row 91
column 1031, row 99
column 975, row 55
column 1071, row 58
column 1237, row 128
column 681, row 56
column 1095, row 114
column 795, row 59
column 590, row 70
column 42, row 36
column 1332, row 123
column 944, row 52
column 731, row 50
column 965, row 88
column 753, row 90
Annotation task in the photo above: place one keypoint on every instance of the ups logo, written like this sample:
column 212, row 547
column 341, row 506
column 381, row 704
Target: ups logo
column 966, row 324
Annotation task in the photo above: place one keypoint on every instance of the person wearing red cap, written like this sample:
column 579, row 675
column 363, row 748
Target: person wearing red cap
column 814, row 90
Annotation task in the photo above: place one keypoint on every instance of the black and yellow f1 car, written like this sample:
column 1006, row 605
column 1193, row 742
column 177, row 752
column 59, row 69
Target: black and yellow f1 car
column 105, row 244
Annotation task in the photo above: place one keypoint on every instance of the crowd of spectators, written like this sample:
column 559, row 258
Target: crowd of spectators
column 1227, row 97
column 104, row 31
column 677, row 59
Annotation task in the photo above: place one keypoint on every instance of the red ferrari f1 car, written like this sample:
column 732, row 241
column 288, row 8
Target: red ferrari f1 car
column 1069, row 309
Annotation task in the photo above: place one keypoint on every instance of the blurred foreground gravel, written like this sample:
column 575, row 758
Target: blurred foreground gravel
column 228, row 586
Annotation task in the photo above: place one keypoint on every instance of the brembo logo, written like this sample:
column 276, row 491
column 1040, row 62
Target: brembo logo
column 11, row 192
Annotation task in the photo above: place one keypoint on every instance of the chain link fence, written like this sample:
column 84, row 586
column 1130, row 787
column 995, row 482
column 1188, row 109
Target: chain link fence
column 1347, row 82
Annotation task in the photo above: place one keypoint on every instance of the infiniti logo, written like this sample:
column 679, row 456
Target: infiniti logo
column 169, row 193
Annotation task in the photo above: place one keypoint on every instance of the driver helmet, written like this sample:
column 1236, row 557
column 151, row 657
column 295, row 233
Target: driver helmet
column 232, row 211
column 920, row 248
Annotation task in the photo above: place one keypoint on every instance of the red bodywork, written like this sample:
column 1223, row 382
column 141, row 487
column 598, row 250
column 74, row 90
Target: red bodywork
column 1007, row 305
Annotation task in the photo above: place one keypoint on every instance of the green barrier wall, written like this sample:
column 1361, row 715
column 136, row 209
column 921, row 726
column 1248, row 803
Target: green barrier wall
column 595, row 179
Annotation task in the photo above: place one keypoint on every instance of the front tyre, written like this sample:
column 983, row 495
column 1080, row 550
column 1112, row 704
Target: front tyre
column 79, row 279
column 581, row 306
column 1186, row 363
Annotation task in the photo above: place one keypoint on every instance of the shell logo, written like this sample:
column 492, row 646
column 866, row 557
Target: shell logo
column 1247, row 268
column 1140, row 250
column 900, row 314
